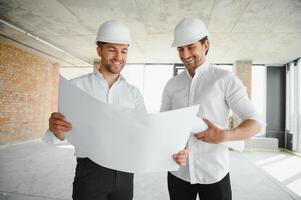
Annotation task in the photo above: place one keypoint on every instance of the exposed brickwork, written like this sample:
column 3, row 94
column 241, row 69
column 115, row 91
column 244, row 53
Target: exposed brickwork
column 28, row 94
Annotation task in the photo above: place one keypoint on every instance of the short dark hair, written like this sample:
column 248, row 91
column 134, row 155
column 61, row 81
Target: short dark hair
column 100, row 44
column 203, row 40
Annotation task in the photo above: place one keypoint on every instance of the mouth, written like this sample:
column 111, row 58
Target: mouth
column 188, row 61
column 116, row 63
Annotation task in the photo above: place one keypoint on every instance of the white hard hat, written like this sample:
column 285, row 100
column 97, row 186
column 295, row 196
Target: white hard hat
column 188, row 31
column 113, row 31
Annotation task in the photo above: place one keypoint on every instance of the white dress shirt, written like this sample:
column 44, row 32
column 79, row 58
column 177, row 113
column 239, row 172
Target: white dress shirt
column 94, row 84
column 217, row 91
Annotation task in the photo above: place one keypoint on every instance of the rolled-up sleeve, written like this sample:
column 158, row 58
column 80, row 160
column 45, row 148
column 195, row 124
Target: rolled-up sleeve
column 238, row 100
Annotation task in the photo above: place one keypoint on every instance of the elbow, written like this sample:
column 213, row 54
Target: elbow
column 254, row 127
column 258, row 127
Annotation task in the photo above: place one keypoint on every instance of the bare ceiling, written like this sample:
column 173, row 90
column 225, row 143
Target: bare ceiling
column 264, row 31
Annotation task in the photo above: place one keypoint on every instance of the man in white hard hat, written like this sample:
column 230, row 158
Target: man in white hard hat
column 91, row 180
column 217, row 91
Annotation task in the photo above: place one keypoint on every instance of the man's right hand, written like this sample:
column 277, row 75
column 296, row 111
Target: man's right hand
column 58, row 126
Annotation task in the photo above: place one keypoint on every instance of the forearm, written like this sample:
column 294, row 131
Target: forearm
column 244, row 130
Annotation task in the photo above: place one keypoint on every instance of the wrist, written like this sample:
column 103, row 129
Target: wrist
column 230, row 134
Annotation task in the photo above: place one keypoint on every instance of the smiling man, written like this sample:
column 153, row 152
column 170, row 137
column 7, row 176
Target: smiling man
column 217, row 91
column 93, row 181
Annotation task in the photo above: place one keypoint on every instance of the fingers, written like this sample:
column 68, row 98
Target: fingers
column 181, row 157
column 180, row 160
column 57, row 124
column 209, row 124
column 200, row 135
column 58, row 119
column 204, row 137
column 57, row 115
column 59, row 129
column 184, row 152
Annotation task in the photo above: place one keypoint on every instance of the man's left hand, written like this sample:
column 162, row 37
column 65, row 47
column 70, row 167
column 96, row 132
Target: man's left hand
column 181, row 157
column 213, row 134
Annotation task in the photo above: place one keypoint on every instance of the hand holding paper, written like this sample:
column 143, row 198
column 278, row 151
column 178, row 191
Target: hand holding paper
column 208, row 132
column 181, row 157
column 58, row 126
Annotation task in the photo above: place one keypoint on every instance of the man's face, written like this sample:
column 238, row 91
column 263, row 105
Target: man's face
column 193, row 55
column 113, row 56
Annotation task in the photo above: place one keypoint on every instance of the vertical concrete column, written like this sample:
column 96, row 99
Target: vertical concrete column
column 96, row 65
column 243, row 69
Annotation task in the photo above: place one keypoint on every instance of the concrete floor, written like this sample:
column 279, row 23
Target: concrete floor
column 36, row 171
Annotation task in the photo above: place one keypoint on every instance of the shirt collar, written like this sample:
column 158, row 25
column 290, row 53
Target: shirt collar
column 99, row 75
column 199, row 70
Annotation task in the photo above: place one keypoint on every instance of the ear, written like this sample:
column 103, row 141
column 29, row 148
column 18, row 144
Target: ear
column 99, row 51
column 206, row 45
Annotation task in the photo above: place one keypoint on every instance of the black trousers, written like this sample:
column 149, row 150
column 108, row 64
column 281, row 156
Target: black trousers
column 183, row 190
column 94, row 182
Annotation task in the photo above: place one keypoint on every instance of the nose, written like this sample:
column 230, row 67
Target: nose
column 118, row 55
column 185, row 53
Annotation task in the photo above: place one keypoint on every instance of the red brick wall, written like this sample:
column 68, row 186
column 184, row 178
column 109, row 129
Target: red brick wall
column 28, row 94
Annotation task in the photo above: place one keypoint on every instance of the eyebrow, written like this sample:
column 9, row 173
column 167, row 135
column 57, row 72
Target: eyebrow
column 191, row 45
column 109, row 46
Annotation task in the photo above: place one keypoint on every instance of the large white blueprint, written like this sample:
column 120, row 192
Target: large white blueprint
column 121, row 138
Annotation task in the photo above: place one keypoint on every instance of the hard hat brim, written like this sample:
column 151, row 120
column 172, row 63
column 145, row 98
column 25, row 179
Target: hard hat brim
column 115, row 42
column 187, row 42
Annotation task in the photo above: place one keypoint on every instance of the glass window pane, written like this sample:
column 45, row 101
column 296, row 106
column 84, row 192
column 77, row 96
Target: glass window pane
column 150, row 80
column 258, row 92
column 155, row 79
column 134, row 74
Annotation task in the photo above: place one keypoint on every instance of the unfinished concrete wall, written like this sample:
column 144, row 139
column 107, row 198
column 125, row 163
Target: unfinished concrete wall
column 28, row 93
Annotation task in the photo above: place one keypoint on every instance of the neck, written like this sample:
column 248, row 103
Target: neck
column 108, row 76
column 192, row 71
